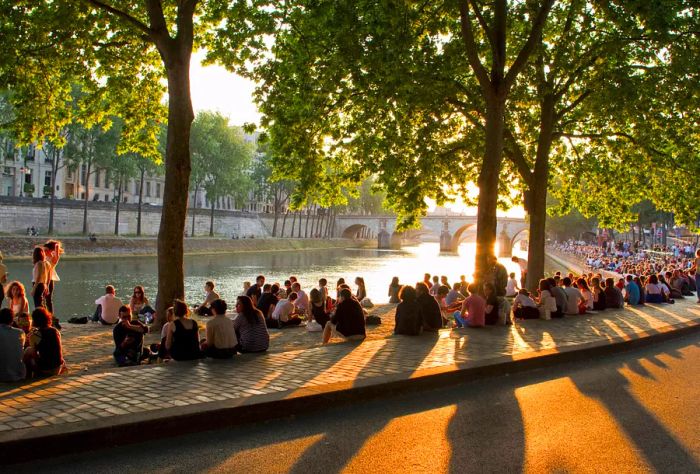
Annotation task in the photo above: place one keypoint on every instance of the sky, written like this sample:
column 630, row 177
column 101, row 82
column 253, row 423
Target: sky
column 214, row 88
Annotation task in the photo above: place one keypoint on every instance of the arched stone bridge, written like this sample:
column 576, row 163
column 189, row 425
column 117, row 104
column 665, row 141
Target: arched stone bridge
column 449, row 230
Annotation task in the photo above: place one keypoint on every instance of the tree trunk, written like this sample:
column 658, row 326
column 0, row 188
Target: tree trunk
column 306, row 228
column 119, row 202
column 537, row 205
column 211, row 219
column 54, row 172
column 294, row 220
column 486, row 220
column 171, row 275
column 194, row 209
column 277, row 213
column 138, row 218
column 87, row 197
column 284, row 223
column 301, row 217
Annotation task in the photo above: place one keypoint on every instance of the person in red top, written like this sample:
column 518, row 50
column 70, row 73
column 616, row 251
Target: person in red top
column 473, row 312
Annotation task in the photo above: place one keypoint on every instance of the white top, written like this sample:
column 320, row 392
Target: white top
column 110, row 307
column 511, row 287
column 652, row 289
column 588, row 296
column 573, row 297
column 523, row 264
column 220, row 332
column 302, row 301
column 548, row 301
column 282, row 310
column 524, row 301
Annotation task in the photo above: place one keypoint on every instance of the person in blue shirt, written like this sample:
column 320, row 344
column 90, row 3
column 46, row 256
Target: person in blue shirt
column 632, row 291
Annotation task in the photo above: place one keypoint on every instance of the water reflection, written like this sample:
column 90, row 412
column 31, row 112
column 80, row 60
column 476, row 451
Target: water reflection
column 82, row 281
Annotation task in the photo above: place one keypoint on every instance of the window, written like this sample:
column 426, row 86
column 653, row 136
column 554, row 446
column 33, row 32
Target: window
column 70, row 174
column 157, row 190
column 28, row 178
column 148, row 189
column 97, row 178
column 47, row 178
column 83, row 174
column 107, row 179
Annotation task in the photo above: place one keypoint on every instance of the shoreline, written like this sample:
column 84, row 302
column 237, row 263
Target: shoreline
column 18, row 248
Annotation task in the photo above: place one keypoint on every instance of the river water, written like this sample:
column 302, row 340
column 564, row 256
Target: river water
column 83, row 280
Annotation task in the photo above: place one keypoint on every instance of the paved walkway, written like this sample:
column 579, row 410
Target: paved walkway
column 118, row 396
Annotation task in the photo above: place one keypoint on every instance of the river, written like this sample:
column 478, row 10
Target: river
column 83, row 280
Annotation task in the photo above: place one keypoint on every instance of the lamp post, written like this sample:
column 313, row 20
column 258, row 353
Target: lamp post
column 25, row 171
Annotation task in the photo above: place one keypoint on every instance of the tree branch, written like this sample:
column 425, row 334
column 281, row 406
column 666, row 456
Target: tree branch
column 482, row 22
column 515, row 153
column 529, row 45
column 470, row 46
column 131, row 20
column 573, row 105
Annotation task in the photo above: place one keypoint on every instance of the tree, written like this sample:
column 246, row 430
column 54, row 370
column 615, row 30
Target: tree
column 121, row 50
column 357, row 88
column 87, row 150
column 278, row 190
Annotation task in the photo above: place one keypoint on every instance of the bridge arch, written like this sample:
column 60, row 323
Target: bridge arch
column 353, row 231
column 520, row 235
column 458, row 235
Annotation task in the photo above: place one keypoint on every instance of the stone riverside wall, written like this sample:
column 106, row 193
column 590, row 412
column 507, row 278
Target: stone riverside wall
column 20, row 248
column 17, row 214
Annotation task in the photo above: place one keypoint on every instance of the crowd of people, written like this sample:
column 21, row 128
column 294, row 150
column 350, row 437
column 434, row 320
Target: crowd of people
column 30, row 344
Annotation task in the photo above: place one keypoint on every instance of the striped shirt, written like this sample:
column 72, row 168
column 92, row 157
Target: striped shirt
column 252, row 337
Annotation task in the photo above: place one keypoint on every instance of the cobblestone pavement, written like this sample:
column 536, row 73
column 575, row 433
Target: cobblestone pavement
column 77, row 400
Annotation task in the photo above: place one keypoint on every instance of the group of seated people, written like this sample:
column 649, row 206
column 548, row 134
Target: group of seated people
column 30, row 346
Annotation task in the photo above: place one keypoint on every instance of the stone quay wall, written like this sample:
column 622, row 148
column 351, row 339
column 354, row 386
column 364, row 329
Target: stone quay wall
column 18, row 214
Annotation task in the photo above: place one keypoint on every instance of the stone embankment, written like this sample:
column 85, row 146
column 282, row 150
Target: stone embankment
column 20, row 247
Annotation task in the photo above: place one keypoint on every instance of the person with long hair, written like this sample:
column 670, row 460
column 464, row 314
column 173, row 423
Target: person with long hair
column 16, row 298
column 361, row 290
column 182, row 338
column 408, row 317
column 653, row 291
column 44, row 356
column 53, row 251
column 3, row 279
column 696, row 266
column 586, row 294
column 394, row 289
column 139, row 304
column 319, row 311
column 41, row 275
column 599, row 303
column 250, row 327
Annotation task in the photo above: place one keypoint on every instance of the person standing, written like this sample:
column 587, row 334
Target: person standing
column 41, row 275
column 53, row 251
column 523, row 270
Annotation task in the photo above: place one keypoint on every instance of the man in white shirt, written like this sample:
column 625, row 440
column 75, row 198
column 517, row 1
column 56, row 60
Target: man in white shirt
column 285, row 312
column 107, row 311
column 221, row 338
column 302, row 302
column 573, row 297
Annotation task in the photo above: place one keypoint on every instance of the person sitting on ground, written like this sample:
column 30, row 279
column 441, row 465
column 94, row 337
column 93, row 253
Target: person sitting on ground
column 128, row 339
column 348, row 321
column 286, row 291
column 250, row 327
column 323, row 290
column 285, row 313
column 446, row 309
column 221, row 341
column 525, row 307
column 632, row 295
column 574, row 297
column 16, row 299
column 361, row 290
column 512, row 286
column 408, row 318
column 559, row 296
column 255, row 291
column 463, row 289
column 665, row 289
column 613, row 296
column 435, row 286
column 140, row 306
column 599, row 303
column 426, row 281
column 546, row 302
column 268, row 300
column 653, row 291
column 454, row 296
column 246, row 287
column 429, row 308
column 182, row 338
column 491, row 314
column 158, row 349
column 394, row 289
column 204, row 309
column 23, row 321
column 302, row 302
column 642, row 292
column 107, row 311
column 587, row 295
column 473, row 310
column 12, row 341
column 44, row 357
column 319, row 312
